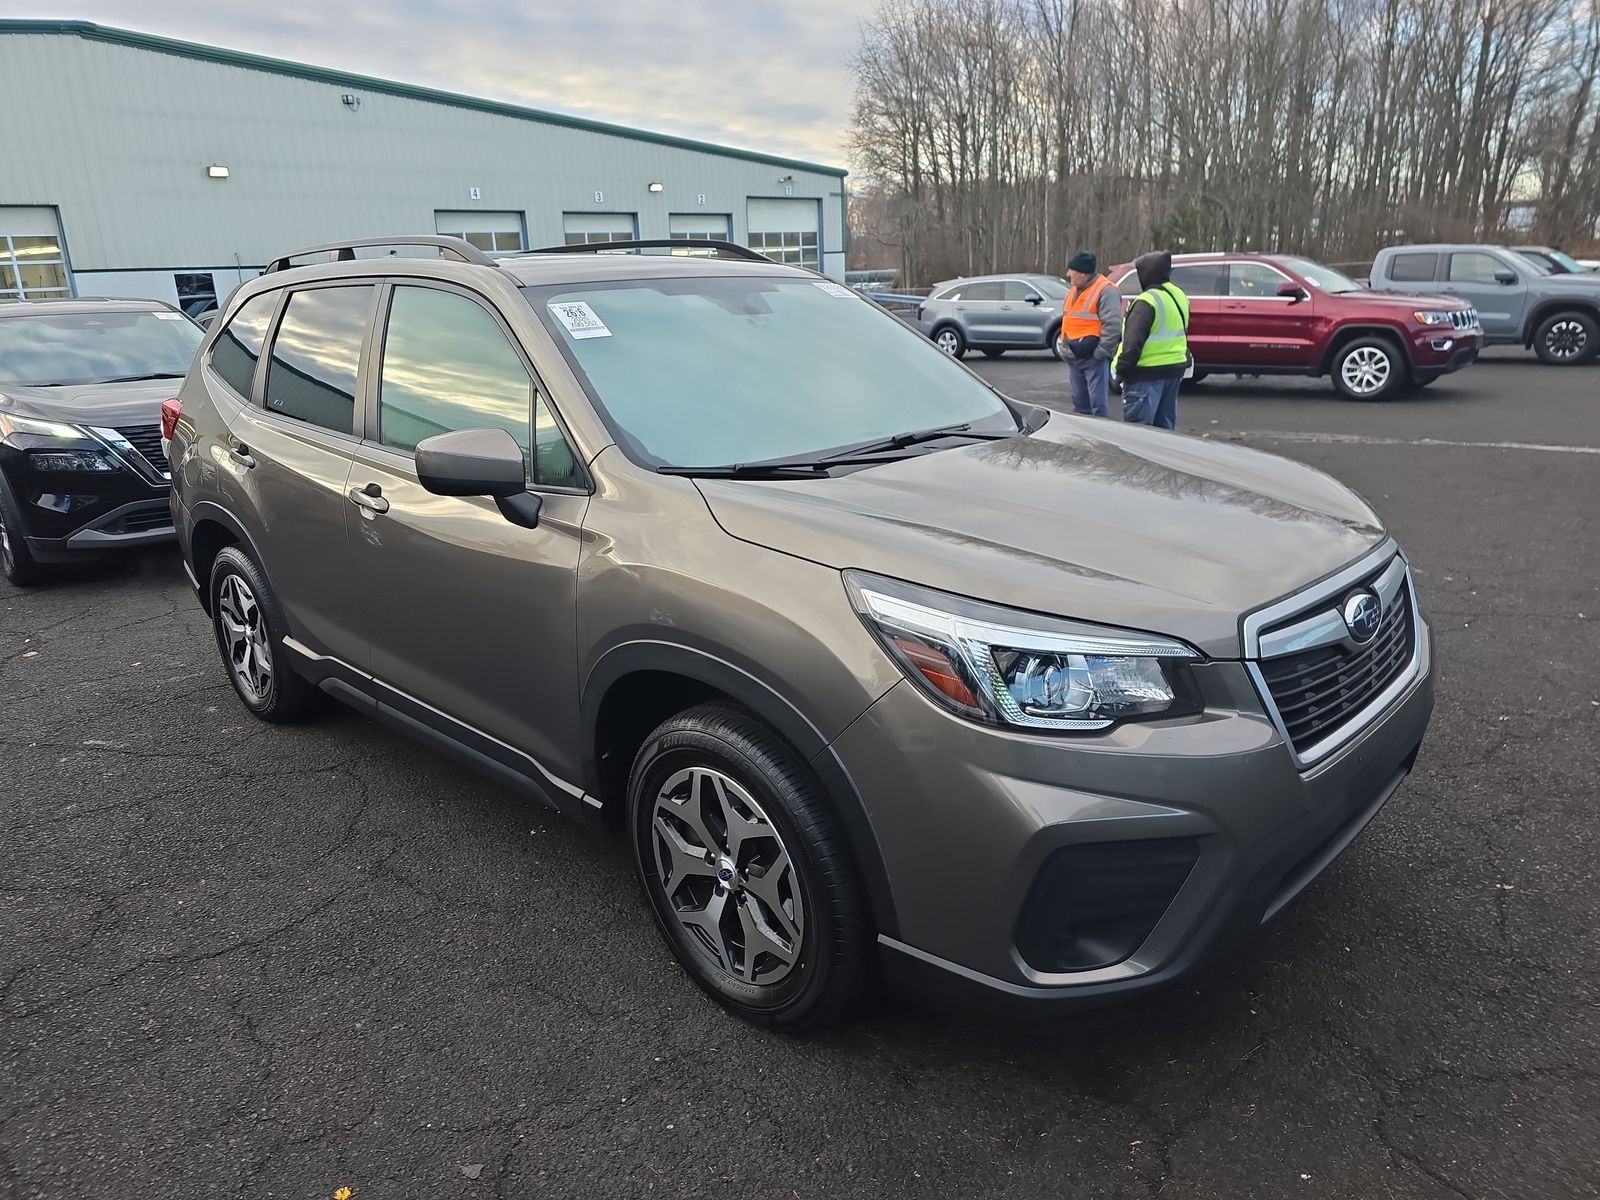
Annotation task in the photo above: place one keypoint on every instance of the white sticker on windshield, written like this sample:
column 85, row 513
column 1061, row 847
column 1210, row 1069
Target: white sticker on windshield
column 167, row 316
column 580, row 320
column 833, row 289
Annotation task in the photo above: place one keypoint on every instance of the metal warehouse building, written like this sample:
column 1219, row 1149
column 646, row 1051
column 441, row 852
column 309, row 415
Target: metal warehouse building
column 133, row 165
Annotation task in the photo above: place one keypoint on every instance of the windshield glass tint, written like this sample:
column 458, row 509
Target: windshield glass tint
column 721, row 370
column 78, row 348
column 1322, row 278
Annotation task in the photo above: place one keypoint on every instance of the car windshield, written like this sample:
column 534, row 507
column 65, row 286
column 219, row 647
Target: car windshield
column 1324, row 279
column 1572, row 265
column 1537, row 261
column 61, row 348
column 714, row 371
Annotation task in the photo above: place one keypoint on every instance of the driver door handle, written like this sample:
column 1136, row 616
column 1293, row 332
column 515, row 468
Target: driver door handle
column 369, row 498
column 240, row 453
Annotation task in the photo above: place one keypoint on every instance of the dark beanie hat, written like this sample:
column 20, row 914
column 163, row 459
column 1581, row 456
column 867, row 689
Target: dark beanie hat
column 1083, row 261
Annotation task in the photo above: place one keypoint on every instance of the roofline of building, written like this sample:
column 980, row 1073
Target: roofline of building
column 279, row 66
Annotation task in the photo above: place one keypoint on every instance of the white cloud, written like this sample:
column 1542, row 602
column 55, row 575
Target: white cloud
column 768, row 76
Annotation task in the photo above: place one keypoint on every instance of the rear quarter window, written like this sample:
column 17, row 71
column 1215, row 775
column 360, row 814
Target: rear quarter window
column 238, row 347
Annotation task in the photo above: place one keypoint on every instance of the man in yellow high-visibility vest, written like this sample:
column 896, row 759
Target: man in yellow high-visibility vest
column 1154, row 353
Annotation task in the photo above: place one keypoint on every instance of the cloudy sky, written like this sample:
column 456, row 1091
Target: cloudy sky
column 763, row 74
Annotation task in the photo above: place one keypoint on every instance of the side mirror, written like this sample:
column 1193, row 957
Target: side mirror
column 479, row 462
column 1505, row 278
column 1292, row 292
column 1034, row 298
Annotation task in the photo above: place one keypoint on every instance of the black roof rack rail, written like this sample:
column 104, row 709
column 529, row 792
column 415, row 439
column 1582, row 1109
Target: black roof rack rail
column 346, row 251
column 730, row 249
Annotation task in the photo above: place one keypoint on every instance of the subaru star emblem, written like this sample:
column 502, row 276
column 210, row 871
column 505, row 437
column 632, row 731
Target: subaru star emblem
column 1362, row 612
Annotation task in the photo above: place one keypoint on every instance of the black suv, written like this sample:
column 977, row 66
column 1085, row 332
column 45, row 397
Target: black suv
column 82, row 383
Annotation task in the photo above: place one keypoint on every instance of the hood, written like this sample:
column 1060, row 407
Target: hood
column 1580, row 283
column 1408, row 301
column 1154, row 268
column 109, row 405
column 1091, row 520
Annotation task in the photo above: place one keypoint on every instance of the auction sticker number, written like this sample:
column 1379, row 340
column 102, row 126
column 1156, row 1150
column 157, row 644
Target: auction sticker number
column 580, row 320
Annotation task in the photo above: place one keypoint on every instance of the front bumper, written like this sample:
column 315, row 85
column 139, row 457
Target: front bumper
column 967, row 818
column 71, row 515
column 1439, row 352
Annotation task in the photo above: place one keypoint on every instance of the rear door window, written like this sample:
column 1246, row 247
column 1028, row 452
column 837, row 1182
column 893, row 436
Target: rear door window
column 1201, row 279
column 238, row 347
column 316, row 356
column 1414, row 268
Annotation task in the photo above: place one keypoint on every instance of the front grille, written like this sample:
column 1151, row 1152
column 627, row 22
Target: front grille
column 1316, row 691
column 1464, row 318
column 146, row 439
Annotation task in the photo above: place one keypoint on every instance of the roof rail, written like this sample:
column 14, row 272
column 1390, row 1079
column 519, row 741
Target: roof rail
column 346, row 251
column 730, row 249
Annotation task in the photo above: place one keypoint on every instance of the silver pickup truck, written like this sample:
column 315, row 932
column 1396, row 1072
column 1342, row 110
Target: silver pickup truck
column 1519, row 302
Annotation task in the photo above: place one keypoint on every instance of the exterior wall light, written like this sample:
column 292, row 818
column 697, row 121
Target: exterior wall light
column 217, row 171
column 657, row 187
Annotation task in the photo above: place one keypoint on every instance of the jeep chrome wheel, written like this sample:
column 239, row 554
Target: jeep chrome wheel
column 1366, row 370
column 244, row 639
column 727, row 876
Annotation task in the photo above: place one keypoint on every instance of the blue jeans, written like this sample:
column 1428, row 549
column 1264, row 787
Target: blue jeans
column 1090, row 380
column 1152, row 402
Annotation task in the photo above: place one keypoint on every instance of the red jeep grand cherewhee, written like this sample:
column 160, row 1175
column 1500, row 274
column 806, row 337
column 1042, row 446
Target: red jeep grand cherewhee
column 1274, row 314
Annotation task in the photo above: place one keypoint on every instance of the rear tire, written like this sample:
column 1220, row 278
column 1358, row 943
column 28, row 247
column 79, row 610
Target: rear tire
column 16, row 561
column 250, row 628
column 951, row 340
column 749, row 877
column 1053, row 340
column 1369, row 368
column 1565, row 338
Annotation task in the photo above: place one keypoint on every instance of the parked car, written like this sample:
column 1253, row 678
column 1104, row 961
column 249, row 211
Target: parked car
column 865, row 660
column 994, row 313
column 1276, row 314
column 1520, row 302
column 81, row 388
column 1559, row 261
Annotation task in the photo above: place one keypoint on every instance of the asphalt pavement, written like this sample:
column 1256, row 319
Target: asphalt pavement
column 246, row 961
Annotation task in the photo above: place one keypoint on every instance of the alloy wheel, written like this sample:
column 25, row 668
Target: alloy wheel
column 244, row 633
column 727, row 876
column 1365, row 370
column 948, row 341
column 6, row 563
column 1565, row 339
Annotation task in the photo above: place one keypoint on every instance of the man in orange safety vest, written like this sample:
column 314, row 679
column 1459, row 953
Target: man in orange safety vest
column 1091, row 328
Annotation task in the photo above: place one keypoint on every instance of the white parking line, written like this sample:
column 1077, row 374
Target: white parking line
column 1359, row 439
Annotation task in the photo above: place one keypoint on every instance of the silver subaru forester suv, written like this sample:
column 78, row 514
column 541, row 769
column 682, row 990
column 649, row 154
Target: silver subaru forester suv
column 875, row 668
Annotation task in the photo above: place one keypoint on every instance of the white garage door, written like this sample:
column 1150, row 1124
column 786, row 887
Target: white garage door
column 786, row 231
column 701, row 227
column 583, row 228
column 32, row 264
column 485, row 230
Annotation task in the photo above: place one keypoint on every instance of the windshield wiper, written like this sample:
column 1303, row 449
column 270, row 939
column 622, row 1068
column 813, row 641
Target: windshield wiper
column 141, row 378
column 781, row 468
column 901, row 440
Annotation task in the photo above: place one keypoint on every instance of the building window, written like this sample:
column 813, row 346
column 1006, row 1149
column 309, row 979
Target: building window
column 491, row 232
column 33, row 268
column 786, row 231
column 583, row 229
column 197, row 292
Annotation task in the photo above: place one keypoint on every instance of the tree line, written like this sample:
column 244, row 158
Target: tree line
column 1005, row 134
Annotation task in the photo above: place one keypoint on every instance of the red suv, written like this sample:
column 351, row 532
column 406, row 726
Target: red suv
column 1271, row 314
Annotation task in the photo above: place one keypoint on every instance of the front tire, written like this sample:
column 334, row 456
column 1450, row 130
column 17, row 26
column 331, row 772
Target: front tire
column 1369, row 368
column 250, row 628
column 1565, row 338
column 16, row 562
column 749, row 878
column 951, row 340
column 993, row 353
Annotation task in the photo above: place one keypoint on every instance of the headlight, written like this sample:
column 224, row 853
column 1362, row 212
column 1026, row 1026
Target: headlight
column 1003, row 667
column 1433, row 318
column 10, row 423
column 70, row 460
